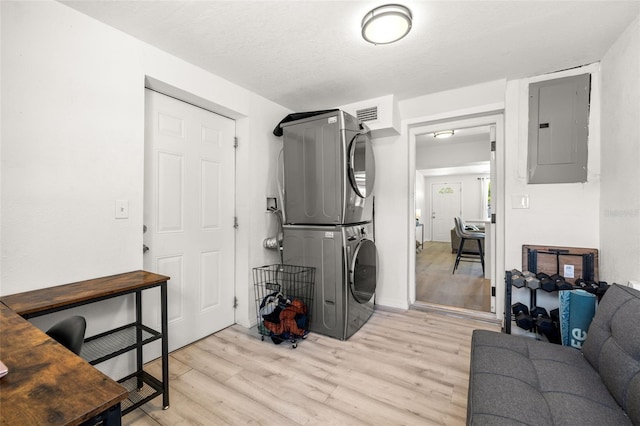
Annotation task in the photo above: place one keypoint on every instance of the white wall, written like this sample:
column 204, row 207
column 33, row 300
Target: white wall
column 72, row 144
column 620, row 180
column 256, row 181
column 452, row 155
column 391, row 194
column 439, row 104
column 559, row 214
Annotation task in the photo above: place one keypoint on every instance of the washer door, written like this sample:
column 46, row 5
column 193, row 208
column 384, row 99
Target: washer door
column 363, row 274
column 362, row 170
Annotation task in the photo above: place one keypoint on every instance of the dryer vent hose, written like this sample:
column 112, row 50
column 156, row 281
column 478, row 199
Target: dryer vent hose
column 275, row 243
column 280, row 183
column 272, row 243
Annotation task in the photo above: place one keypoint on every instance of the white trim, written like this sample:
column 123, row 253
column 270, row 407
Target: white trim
column 392, row 303
column 490, row 114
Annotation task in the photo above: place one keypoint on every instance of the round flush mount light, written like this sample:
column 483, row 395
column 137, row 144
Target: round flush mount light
column 443, row 134
column 386, row 24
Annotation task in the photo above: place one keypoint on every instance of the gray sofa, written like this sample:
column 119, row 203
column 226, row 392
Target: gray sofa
column 516, row 380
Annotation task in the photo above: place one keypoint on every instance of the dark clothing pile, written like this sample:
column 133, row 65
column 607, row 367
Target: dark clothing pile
column 298, row 116
column 285, row 318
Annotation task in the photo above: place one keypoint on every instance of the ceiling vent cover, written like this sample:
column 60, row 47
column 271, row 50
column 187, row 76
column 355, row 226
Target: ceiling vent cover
column 367, row 114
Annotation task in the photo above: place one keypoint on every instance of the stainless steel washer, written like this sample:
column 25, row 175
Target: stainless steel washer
column 345, row 259
column 329, row 170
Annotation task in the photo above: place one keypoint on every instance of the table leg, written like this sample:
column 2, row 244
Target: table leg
column 165, row 346
column 139, row 365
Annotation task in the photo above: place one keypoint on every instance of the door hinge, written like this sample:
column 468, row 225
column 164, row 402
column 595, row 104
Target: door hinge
column 235, row 302
column 493, row 146
column 235, row 142
column 235, row 222
column 493, row 218
column 493, row 292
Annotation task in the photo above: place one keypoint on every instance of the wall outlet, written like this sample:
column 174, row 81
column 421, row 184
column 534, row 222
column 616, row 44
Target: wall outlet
column 272, row 203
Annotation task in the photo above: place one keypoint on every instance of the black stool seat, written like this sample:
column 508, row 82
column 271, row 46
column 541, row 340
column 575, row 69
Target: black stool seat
column 69, row 333
column 464, row 235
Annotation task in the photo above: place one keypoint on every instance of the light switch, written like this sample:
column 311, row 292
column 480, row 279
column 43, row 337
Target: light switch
column 122, row 209
column 520, row 201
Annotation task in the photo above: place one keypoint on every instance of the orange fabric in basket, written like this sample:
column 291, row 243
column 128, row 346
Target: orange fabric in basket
column 288, row 319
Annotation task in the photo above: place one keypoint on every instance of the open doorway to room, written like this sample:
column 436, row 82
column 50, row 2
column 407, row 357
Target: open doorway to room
column 453, row 178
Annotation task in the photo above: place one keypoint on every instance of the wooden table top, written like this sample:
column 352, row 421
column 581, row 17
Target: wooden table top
column 39, row 302
column 48, row 384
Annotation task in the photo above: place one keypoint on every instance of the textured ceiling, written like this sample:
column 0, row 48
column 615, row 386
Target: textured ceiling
column 308, row 55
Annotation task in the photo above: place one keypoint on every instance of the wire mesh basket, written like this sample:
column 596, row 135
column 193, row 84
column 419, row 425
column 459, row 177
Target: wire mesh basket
column 284, row 299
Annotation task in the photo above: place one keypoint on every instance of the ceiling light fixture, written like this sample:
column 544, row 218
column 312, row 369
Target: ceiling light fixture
column 386, row 24
column 443, row 134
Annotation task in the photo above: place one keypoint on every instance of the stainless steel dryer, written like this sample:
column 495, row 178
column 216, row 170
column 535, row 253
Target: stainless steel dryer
column 345, row 259
column 329, row 170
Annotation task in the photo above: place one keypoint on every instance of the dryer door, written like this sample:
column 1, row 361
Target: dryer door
column 363, row 273
column 362, row 170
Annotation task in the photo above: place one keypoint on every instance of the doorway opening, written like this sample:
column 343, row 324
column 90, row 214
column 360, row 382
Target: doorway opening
column 456, row 177
column 452, row 180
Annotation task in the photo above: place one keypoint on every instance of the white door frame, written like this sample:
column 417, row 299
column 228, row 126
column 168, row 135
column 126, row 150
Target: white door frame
column 482, row 116
column 245, row 311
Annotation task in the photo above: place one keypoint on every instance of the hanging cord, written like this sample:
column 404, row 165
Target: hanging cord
column 280, row 184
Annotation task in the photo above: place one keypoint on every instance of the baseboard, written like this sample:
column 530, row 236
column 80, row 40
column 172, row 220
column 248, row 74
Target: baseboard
column 392, row 303
column 457, row 312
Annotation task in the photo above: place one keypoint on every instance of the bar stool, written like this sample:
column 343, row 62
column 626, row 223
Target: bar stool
column 69, row 333
column 464, row 235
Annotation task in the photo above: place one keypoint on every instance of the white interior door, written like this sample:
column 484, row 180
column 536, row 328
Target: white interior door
column 188, row 214
column 446, row 203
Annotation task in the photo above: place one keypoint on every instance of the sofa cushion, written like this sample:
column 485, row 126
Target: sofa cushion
column 613, row 346
column 518, row 380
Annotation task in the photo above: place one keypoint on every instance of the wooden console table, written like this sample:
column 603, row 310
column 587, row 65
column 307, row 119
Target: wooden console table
column 47, row 384
column 23, row 390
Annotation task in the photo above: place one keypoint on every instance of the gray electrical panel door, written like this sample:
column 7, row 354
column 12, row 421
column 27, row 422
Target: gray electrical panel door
column 559, row 130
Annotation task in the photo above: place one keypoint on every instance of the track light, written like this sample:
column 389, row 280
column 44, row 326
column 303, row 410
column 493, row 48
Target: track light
column 443, row 134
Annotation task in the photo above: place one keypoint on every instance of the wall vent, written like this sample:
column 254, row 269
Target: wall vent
column 379, row 114
column 367, row 114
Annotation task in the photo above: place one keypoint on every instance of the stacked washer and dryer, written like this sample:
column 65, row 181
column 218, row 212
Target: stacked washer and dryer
column 329, row 173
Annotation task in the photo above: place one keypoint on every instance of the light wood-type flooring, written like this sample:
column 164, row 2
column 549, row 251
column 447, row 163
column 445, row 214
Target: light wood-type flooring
column 435, row 283
column 401, row 367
